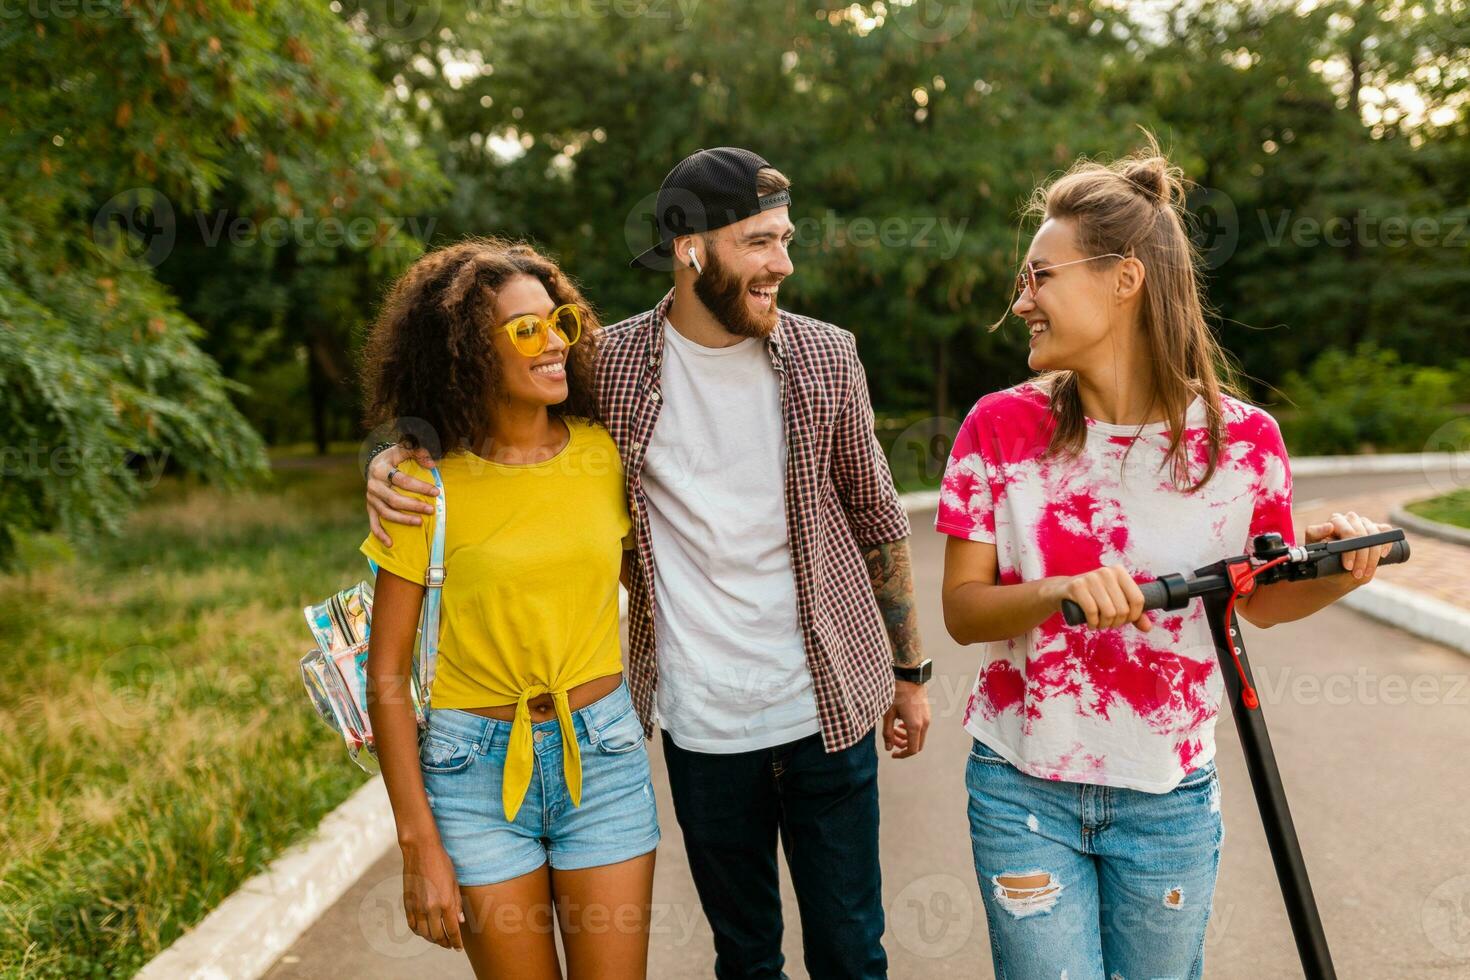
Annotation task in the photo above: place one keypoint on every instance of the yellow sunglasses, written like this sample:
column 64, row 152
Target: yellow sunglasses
column 530, row 333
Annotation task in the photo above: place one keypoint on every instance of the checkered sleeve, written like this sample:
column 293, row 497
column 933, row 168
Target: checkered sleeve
column 859, row 468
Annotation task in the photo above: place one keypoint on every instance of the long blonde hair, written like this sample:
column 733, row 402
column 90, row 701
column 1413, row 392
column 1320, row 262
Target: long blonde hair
column 1135, row 206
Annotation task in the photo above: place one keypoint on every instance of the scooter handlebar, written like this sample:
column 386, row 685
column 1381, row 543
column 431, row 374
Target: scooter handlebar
column 1156, row 593
column 1332, row 564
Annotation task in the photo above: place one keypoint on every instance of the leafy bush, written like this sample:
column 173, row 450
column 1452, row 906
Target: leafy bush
column 101, row 387
column 1369, row 401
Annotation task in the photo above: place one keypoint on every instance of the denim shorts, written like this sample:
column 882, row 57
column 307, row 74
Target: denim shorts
column 462, row 756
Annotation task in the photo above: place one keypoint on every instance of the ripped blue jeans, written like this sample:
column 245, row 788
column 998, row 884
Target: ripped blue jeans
column 1088, row 882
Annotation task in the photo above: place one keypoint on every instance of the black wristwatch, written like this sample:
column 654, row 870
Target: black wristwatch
column 918, row 674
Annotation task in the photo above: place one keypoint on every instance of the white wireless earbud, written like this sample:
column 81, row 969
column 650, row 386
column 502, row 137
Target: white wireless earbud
column 694, row 261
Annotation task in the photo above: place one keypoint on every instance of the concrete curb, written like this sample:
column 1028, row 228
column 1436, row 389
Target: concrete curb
column 1381, row 463
column 919, row 501
column 1424, row 616
column 1399, row 517
column 247, row 933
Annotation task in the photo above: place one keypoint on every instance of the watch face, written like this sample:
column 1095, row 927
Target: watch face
column 917, row 674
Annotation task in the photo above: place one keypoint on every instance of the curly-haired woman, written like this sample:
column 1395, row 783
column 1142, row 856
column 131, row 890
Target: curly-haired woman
column 527, row 801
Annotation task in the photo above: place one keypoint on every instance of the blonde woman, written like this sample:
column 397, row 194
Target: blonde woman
column 1093, row 802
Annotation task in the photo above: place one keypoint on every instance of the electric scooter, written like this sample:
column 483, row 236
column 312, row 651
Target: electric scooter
column 1219, row 585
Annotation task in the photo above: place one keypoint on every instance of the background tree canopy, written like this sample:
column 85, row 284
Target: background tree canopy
column 203, row 200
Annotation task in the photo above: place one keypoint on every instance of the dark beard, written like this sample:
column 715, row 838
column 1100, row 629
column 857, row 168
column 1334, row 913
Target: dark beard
column 724, row 296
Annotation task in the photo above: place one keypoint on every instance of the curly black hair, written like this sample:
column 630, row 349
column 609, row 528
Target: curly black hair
column 431, row 354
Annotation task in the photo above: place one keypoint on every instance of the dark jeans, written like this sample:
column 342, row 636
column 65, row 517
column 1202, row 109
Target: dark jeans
column 825, row 809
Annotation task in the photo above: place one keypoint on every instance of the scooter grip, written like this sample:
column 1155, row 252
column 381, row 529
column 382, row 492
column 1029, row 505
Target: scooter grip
column 1332, row 564
column 1155, row 595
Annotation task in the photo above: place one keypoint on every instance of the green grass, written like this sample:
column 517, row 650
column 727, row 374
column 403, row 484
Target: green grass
column 1452, row 508
column 156, row 748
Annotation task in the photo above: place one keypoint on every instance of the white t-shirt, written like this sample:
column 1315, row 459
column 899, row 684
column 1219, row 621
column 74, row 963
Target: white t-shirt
column 1118, row 707
column 732, row 671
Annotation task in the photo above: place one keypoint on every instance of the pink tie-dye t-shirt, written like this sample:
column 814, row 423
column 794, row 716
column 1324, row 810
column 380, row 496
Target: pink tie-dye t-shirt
column 1118, row 707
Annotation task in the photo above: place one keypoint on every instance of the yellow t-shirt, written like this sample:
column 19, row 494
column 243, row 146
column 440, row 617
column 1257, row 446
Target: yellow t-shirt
column 530, row 597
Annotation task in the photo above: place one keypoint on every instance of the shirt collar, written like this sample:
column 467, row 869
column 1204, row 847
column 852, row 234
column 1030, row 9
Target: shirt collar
column 775, row 343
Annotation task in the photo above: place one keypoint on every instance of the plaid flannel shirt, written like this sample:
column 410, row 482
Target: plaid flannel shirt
column 839, row 500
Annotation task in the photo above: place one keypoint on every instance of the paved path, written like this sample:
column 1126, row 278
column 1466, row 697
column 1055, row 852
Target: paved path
column 1372, row 731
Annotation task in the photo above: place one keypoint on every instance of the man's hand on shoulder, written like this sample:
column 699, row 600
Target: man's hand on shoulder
column 386, row 500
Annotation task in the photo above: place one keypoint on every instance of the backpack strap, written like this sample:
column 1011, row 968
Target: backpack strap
column 433, row 588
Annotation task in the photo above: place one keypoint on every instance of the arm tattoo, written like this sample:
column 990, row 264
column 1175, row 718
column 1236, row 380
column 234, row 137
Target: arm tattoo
column 893, row 587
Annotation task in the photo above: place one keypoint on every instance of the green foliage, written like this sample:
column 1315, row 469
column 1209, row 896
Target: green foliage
column 1370, row 400
column 883, row 120
column 1335, row 230
column 123, row 123
column 101, row 386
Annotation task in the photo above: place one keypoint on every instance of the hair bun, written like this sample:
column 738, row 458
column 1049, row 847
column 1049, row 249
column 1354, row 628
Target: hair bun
column 1151, row 175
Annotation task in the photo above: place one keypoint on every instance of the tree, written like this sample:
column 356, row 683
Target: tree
column 122, row 121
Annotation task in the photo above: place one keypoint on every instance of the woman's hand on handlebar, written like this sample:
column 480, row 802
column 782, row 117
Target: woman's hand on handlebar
column 1363, row 562
column 1108, row 596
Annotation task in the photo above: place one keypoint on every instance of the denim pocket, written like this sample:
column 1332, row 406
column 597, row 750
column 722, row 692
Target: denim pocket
column 1200, row 777
column 441, row 752
column 623, row 734
column 980, row 752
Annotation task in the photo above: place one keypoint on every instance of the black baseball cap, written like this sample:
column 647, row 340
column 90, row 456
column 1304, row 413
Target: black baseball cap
column 706, row 190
